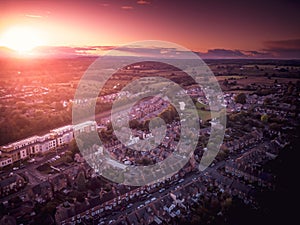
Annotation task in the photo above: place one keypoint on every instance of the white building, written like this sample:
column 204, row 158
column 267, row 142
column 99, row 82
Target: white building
column 27, row 147
column 4, row 161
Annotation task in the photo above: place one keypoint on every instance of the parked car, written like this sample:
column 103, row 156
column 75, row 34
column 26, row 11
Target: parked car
column 130, row 205
column 161, row 190
column 31, row 160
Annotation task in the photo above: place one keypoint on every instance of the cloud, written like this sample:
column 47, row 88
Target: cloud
column 147, row 51
column 33, row 16
column 143, row 2
column 286, row 49
column 292, row 44
column 103, row 48
column 126, row 7
column 283, row 48
column 222, row 53
column 65, row 51
column 258, row 54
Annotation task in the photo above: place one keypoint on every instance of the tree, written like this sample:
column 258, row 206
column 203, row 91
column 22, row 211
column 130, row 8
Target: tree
column 58, row 106
column 264, row 118
column 221, row 155
column 225, row 82
column 73, row 148
column 240, row 98
column 80, row 197
column 290, row 90
column 267, row 101
column 135, row 124
column 80, row 181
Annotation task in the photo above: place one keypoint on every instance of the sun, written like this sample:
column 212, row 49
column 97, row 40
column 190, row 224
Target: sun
column 21, row 39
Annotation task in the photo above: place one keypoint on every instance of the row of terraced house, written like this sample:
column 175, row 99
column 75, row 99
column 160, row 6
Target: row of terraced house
column 29, row 147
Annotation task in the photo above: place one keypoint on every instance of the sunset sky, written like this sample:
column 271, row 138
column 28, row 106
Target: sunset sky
column 237, row 28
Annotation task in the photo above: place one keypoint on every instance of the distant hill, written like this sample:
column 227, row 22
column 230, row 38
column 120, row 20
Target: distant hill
column 6, row 52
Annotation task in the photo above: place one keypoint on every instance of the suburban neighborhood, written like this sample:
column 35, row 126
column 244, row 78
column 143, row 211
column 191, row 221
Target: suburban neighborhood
column 60, row 176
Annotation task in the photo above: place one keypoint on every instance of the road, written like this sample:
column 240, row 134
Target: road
column 33, row 175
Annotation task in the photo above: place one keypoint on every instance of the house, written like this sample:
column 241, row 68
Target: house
column 8, row 220
column 132, row 219
column 64, row 211
column 88, row 126
column 4, row 161
column 23, row 211
column 11, row 184
column 14, row 154
column 64, row 134
column 46, row 142
column 59, row 182
column 22, row 149
column 41, row 192
column 31, row 146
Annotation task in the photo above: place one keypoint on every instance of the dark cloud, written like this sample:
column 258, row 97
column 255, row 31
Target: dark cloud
column 212, row 53
column 283, row 48
column 274, row 49
column 258, row 54
column 222, row 53
column 145, row 50
column 283, row 44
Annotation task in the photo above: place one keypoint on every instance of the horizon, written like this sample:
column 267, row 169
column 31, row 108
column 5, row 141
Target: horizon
column 148, row 111
column 212, row 29
column 87, row 51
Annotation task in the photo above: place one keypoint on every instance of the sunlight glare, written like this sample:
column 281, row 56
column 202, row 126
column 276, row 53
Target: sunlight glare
column 21, row 39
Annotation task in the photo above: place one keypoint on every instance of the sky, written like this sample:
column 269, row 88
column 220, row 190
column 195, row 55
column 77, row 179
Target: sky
column 213, row 28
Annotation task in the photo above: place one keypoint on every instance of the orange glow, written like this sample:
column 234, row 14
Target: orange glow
column 21, row 39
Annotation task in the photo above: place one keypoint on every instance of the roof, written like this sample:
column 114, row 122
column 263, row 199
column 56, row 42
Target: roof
column 131, row 218
column 3, row 158
column 84, row 124
column 9, row 180
column 62, row 129
column 8, row 220
column 37, row 189
column 240, row 187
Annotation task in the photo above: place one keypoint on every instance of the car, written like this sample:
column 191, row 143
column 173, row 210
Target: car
column 128, row 206
column 153, row 199
column 140, row 206
column 31, row 160
column 15, row 168
column 161, row 190
column 147, row 202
